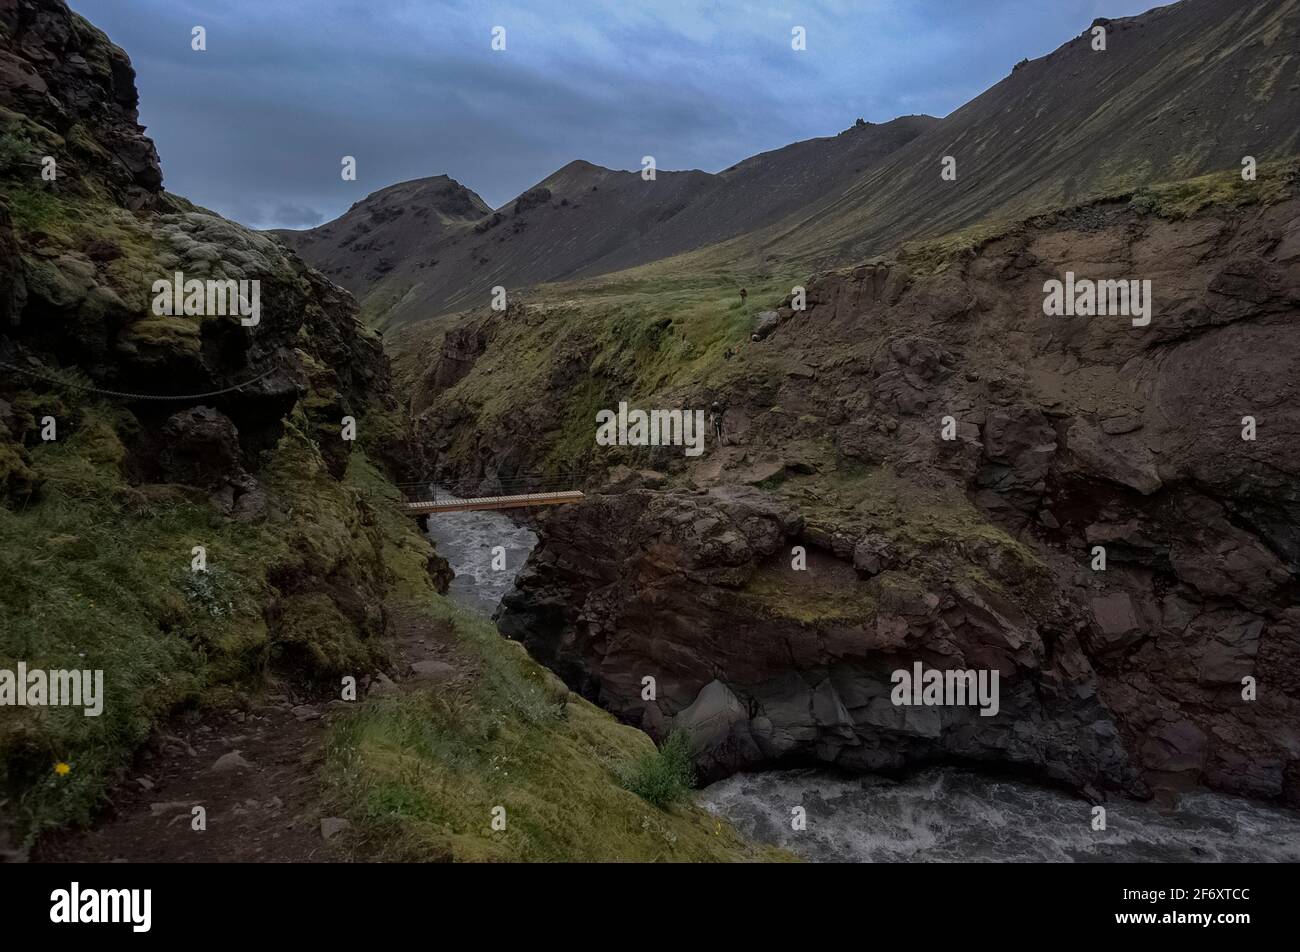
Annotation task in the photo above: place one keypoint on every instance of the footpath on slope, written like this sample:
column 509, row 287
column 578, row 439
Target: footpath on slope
column 256, row 773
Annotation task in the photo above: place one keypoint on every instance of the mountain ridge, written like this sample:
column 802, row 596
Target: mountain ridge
column 595, row 220
column 1100, row 128
column 1180, row 90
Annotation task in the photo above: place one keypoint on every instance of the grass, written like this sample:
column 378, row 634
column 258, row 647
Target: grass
column 93, row 579
column 934, row 256
column 420, row 776
column 97, row 574
column 17, row 152
column 645, row 336
column 1275, row 181
column 810, row 598
column 419, row 773
column 666, row 776
column 915, row 518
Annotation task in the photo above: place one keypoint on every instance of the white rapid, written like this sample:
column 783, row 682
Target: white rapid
column 951, row 815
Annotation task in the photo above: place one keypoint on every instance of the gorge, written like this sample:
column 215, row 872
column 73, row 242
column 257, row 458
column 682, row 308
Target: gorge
column 1085, row 526
column 936, row 814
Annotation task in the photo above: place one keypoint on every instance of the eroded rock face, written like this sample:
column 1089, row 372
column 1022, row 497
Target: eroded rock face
column 61, row 72
column 1070, row 436
column 190, row 405
column 201, row 448
column 460, row 348
column 698, row 592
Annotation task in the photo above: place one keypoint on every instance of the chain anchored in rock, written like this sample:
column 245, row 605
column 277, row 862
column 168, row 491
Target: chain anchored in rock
column 85, row 388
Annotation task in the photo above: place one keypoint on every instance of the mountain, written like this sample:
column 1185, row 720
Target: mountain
column 581, row 220
column 402, row 271
column 358, row 248
column 1178, row 91
column 767, row 188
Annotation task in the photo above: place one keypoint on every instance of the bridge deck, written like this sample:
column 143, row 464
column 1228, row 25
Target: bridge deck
column 493, row 502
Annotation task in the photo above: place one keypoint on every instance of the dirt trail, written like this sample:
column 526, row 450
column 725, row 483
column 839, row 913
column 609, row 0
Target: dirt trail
column 256, row 773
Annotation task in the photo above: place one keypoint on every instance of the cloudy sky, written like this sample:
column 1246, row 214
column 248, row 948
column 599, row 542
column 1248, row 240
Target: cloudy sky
column 256, row 126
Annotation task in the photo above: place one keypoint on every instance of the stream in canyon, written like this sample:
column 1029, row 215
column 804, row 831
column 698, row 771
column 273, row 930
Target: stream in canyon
column 466, row 540
column 936, row 815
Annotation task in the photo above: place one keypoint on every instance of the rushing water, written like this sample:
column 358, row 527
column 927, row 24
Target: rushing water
column 945, row 815
column 935, row 816
column 466, row 540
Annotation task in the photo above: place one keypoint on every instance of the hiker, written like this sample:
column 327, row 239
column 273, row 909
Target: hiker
column 715, row 418
column 743, row 294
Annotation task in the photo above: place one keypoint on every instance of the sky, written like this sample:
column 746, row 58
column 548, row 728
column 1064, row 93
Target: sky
column 256, row 126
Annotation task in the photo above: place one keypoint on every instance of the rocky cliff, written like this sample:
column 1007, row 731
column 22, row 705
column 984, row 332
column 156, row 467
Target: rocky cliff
column 132, row 438
column 1168, row 448
column 763, row 664
column 83, row 248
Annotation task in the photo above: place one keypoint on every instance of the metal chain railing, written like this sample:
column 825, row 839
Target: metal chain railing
column 124, row 395
column 425, row 490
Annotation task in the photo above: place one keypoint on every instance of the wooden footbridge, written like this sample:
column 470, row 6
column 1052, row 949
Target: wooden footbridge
column 516, row 492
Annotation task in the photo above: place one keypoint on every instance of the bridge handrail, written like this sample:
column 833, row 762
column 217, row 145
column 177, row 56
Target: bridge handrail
column 424, row 490
column 423, row 507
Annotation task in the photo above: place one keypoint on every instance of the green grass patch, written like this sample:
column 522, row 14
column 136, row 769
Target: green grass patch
column 642, row 336
column 422, row 774
column 97, row 574
column 419, row 773
column 1275, row 181
column 664, row 777
column 96, row 577
column 934, row 256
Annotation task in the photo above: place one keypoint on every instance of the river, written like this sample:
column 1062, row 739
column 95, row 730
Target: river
column 466, row 540
column 951, row 815
column 938, row 815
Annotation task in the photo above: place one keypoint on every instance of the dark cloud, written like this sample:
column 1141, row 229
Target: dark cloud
column 256, row 126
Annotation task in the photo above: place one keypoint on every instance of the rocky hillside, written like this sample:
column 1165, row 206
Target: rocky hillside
column 767, row 188
column 1069, row 433
column 180, row 509
column 581, row 220
column 113, row 463
column 570, row 219
column 397, row 228
column 1179, row 91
